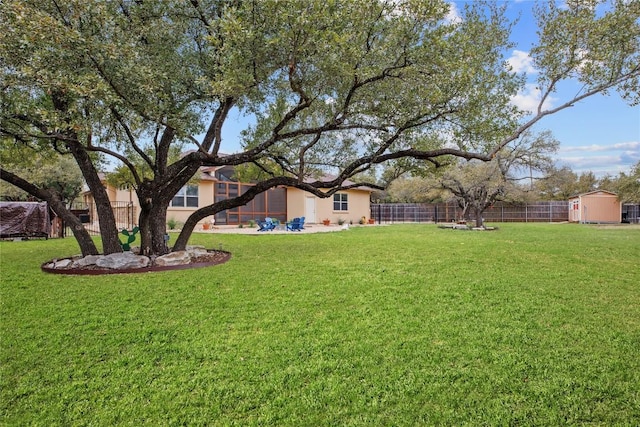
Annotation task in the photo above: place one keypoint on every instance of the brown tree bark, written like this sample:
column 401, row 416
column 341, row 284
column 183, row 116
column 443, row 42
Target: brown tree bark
column 108, row 228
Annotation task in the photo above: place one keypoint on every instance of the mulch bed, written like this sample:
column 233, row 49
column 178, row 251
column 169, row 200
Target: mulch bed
column 212, row 258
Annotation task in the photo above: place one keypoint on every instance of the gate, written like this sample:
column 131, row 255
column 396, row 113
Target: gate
column 124, row 213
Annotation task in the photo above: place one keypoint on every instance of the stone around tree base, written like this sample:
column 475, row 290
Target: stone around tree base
column 173, row 258
column 97, row 265
column 464, row 227
column 123, row 260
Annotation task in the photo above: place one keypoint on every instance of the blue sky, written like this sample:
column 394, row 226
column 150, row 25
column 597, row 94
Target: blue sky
column 600, row 134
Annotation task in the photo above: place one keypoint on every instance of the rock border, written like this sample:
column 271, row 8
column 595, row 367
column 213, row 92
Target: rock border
column 465, row 227
column 78, row 265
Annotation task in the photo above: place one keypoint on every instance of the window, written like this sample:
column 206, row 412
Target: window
column 340, row 202
column 186, row 197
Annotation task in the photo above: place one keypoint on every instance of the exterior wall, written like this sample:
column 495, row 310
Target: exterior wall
column 297, row 203
column 599, row 206
column 118, row 195
column 180, row 214
column 358, row 203
column 205, row 197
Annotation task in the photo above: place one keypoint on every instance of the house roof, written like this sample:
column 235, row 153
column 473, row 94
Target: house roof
column 329, row 177
column 207, row 175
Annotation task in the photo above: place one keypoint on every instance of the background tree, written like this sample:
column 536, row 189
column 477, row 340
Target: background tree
column 53, row 178
column 587, row 181
column 628, row 185
column 58, row 174
column 558, row 184
column 475, row 185
column 562, row 183
column 408, row 189
column 338, row 87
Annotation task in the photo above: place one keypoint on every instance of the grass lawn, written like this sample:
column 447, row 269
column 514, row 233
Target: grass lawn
column 532, row 324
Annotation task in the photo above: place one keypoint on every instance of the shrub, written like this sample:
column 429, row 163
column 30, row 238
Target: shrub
column 172, row 223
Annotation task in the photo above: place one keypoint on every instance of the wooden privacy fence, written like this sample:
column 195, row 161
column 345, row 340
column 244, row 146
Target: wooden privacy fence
column 553, row 211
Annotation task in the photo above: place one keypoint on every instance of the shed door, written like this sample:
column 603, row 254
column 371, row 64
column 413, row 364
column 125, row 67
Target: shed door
column 574, row 211
column 310, row 209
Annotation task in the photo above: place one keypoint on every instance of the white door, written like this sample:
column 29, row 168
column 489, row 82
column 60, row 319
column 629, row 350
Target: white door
column 310, row 209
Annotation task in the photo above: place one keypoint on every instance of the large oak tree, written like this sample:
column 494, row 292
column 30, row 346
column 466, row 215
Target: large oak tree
column 337, row 86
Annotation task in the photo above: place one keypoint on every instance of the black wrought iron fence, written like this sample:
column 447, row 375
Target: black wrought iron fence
column 124, row 212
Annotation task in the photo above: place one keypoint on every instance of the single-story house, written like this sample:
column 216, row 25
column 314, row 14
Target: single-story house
column 595, row 207
column 281, row 203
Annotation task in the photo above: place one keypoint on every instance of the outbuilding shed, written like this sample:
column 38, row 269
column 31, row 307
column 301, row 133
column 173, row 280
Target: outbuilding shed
column 595, row 207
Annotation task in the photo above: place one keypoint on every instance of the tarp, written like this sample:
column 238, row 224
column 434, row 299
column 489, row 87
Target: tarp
column 24, row 219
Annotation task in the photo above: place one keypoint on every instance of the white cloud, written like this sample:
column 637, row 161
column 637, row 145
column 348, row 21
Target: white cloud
column 529, row 98
column 593, row 161
column 629, row 147
column 453, row 17
column 521, row 62
column 601, row 159
column 603, row 164
column 564, row 5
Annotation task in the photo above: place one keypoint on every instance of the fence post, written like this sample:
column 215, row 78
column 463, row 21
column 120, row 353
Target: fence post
column 132, row 220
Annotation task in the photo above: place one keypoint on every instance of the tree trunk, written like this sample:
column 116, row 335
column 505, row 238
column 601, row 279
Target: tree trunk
column 479, row 220
column 153, row 227
column 465, row 210
column 106, row 219
column 145, row 229
column 86, row 243
column 158, row 228
column 187, row 229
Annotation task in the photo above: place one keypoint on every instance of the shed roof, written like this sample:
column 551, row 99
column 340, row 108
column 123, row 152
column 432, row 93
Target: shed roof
column 594, row 192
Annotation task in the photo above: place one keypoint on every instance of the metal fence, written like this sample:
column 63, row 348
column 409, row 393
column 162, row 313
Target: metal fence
column 529, row 212
column 448, row 212
column 631, row 214
column 551, row 211
column 124, row 213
